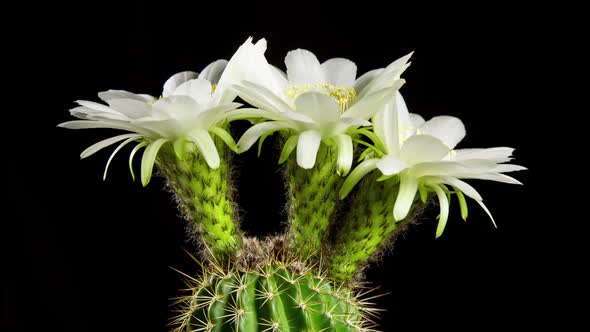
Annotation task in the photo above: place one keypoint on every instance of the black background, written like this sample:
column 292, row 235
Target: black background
column 88, row 255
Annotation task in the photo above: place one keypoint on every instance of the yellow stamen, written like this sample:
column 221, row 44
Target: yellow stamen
column 343, row 95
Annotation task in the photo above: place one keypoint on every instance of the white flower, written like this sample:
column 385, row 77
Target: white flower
column 192, row 108
column 318, row 102
column 420, row 154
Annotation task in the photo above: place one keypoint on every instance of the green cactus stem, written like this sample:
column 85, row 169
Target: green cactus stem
column 205, row 196
column 368, row 227
column 313, row 198
column 272, row 295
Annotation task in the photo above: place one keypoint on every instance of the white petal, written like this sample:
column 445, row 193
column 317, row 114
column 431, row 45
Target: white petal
column 509, row 168
column 253, row 133
column 417, row 120
column 448, row 129
column 339, row 72
column 198, row 89
column 261, row 97
column 176, row 80
column 365, row 79
column 248, row 63
column 148, row 159
column 356, row 175
column 387, row 77
column 499, row 155
column 215, row 115
column 352, row 122
column 489, row 176
column 131, row 108
column 106, row 168
column 303, row 68
column 319, row 107
column 206, row 146
column 422, row 148
column 213, row 71
column 485, row 208
column 122, row 94
column 389, row 165
column 345, row 153
column 366, row 107
column 307, row 148
column 385, row 125
column 444, row 210
column 132, row 154
column 83, row 124
column 94, row 148
column 463, row 186
column 405, row 198
column 100, row 108
column 438, row 168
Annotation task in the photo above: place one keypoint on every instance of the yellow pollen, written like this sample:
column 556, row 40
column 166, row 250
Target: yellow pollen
column 213, row 87
column 343, row 95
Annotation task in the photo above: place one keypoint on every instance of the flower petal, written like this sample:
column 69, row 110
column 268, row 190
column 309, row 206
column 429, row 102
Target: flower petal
column 417, row 120
column 345, row 153
column 317, row 106
column 366, row 107
column 307, row 148
column 106, row 168
column 365, row 79
column 132, row 154
column 198, row 89
column 489, row 176
column 422, row 148
column 148, row 158
column 206, row 146
column 405, row 197
column 485, row 208
column 444, row 209
column 225, row 136
column 356, row 175
column 248, row 63
column 387, row 77
column 132, row 108
column 288, row 148
column 389, row 165
column 176, row 80
column 499, row 155
column 385, row 125
column 104, row 143
column 86, row 124
column 122, row 94
column 339, row 72
column 253, row 133
column 303, row 68
column 505, row 168
column 463, row 186
column 213, row 71
column 448, row 129
column 260, row 97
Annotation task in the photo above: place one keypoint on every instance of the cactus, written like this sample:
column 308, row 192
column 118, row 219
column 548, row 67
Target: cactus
column 310, row 277
column 273, row 295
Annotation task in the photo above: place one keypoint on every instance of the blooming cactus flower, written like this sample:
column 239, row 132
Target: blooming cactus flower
column 420, row 154
column 192, row 108
column 317, row 102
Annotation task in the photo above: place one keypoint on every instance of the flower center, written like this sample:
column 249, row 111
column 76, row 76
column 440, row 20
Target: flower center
column 344, row 95
column 213, row 87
